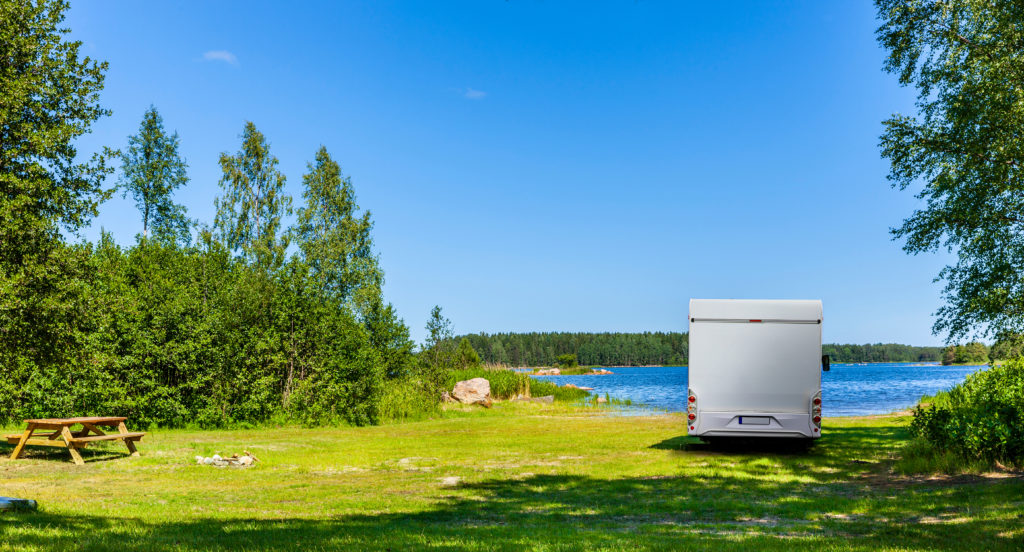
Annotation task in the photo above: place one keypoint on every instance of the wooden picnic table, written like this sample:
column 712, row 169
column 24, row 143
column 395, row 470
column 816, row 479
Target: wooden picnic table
column 61, row 434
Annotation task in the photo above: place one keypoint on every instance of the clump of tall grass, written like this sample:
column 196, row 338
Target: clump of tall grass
column 407, row 399
column 509, row 384
column 505, row 384
column 543, row 388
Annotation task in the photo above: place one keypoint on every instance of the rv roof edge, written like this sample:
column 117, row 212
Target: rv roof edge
column 756, row 309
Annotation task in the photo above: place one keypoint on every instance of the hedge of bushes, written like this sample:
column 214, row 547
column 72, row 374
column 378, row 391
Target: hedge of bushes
column 979, row 419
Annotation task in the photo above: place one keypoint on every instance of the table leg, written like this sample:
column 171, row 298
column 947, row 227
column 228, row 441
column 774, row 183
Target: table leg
column 75, row 456
column 122, row 429
column 24, row 439
column 86, row 428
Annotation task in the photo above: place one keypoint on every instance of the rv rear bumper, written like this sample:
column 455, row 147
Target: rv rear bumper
column 753, row 424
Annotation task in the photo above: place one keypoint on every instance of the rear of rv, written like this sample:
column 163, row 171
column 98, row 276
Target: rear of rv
column 755, row 368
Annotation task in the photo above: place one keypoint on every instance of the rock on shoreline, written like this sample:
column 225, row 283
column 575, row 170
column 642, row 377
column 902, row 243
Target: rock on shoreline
column 558, row 372
column 473, row 391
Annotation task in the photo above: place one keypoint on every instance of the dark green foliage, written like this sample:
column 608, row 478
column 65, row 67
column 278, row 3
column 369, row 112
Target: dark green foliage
column 1007, row 348
column 335, row 240
column 972, row 353
column 229, row 329
column 603, row 349
column 250, row 210
column 389, row 336
column 881, row 352
column 465, row 356
column 174, row 334
column 654, row 348
column 567, row 360
column 965, row 149
column 437, row 357
column 49, row 96
column 982, row 418
column 151, row 169
column 949, row 355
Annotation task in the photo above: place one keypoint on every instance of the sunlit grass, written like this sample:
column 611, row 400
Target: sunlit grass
column 517, row 476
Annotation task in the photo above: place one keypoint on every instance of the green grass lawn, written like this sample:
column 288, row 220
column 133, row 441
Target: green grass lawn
column 518, row 476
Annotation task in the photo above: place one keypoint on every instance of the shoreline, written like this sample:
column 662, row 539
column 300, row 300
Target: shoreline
column 834, row 363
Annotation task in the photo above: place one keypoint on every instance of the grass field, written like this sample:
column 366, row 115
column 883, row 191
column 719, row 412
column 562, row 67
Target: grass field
column 518, row 476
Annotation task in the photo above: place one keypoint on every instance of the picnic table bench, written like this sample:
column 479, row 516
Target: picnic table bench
column 61, row 435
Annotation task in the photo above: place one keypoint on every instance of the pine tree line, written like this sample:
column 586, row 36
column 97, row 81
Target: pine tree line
column 651, row 348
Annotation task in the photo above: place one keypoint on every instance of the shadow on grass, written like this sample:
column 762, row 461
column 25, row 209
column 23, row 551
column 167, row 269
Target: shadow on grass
column 853, row 441
column 732, row 501
column 58, row 454
column 763, row 445
column 552, row 512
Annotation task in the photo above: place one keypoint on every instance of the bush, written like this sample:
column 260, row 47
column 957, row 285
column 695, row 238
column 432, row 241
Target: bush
column 567, row 361
column 979, row 419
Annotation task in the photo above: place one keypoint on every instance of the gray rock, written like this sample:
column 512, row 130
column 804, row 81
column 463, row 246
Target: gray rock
column 474, row 391
column 544, row 399
column 208, row 461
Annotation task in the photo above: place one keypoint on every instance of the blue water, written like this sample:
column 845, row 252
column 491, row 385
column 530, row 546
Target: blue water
column 847, row 390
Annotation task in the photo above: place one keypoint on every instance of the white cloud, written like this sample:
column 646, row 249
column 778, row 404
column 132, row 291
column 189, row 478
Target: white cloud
column 475, row 94
column 221, row 55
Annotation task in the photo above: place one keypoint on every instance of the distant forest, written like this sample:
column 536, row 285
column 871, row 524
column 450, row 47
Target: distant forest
column 599, row 349
column 651, row 348
column 881, row 352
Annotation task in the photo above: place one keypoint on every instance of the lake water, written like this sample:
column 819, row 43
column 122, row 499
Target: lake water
column 847, row 390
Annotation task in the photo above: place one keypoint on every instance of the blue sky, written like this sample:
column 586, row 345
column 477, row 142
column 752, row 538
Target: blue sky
column 551, row 166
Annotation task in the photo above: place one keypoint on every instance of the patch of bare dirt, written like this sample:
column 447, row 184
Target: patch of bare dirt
column 882, row 478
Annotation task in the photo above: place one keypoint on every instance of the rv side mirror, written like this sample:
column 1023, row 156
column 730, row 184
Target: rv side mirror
column 825, row 363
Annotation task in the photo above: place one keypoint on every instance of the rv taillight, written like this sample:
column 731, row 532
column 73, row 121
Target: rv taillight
column 693, row 399
column 817, row 419
column 692, row 416
column 755, row 320
column 817, row 401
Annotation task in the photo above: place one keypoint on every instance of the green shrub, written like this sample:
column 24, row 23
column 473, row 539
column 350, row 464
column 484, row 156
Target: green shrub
column 979, row 419
column 567, row 361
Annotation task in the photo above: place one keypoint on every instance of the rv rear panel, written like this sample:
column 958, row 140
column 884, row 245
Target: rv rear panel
column 755, row 367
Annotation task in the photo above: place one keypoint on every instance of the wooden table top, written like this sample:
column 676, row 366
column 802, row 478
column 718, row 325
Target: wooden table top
column 83, row 420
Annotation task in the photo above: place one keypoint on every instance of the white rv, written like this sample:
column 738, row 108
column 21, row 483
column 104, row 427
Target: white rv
column 755, row 368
